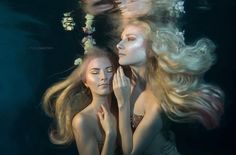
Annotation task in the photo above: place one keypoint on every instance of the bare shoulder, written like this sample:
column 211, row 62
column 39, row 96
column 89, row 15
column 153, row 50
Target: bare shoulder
column 81, row 123
column 151, row 102
column 152, row 110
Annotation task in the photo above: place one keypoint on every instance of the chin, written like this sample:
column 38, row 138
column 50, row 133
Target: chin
column 104, row 93
column 123, row 63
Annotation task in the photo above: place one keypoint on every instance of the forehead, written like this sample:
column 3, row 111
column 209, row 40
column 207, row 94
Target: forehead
column 100, row 62
column 133, row 29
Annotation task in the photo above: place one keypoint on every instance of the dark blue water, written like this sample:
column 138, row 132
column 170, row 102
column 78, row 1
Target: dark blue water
column 35, row 52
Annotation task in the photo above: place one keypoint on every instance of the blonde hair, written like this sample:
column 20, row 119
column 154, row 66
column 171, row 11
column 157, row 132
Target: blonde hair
column 68, row 97
column 175, row 73
column 166, row 10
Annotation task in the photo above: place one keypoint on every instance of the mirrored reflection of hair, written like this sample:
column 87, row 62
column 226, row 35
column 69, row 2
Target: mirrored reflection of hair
column 168, row 9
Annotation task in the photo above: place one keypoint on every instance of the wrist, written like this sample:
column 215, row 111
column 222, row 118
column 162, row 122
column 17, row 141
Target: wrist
column 123, row 104
column 111, row 134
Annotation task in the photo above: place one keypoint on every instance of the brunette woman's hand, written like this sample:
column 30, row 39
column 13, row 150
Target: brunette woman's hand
column 121, row 87
column 108, row 121
column 96, row 7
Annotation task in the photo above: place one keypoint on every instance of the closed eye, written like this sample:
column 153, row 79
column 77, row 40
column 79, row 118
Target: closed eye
column 109, row 69
column 94, row 71
column 131, row 38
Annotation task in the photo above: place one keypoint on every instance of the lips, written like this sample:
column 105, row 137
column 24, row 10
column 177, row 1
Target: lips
column 104, row 84
column 121, row 54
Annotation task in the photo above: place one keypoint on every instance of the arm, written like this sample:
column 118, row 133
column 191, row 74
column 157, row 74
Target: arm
column 108, row 123
column 147, row 129
column 125, row 129
column 121, row 87
column 86, row 140
column 109, row 145
column 84, row 137
column 150, row 125
column 138, row 142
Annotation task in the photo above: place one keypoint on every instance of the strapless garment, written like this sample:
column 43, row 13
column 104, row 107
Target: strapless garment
column 168, row 147
column 135, row 120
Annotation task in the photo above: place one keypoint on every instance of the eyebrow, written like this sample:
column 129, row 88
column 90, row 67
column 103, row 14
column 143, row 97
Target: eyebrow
column 128, row 35
column 99, row 68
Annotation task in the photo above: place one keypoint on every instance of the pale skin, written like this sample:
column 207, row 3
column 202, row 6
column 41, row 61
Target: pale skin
column 134, row 8
column 93, row 8
column 128, row 8
column 136, row 97
column 96, row 123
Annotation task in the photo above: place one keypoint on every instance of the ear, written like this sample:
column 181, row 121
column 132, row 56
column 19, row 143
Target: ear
column 84, row 82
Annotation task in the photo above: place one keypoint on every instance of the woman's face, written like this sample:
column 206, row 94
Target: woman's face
column 132, row 47
column 98, row 76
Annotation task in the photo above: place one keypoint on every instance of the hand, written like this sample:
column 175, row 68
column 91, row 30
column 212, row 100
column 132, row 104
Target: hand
column 121, row 87
column 120, row 2
column 135, row 8
column 107, row 120
column 92, row 6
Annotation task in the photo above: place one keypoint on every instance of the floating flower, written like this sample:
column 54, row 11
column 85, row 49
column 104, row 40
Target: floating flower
column 68, row 22
column 179, row 6
column 78, row 61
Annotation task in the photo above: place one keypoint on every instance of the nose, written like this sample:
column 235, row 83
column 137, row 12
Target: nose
column 103, row 75
column 120, row 45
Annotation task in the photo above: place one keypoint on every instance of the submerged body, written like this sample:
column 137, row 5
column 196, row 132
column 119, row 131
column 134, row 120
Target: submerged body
column 83, row 109
column 165, row 81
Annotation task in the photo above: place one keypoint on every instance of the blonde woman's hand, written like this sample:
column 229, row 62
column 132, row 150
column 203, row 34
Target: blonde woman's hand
column 135, row 8
column 108, row 121
column 121, row 87
column 96, row 7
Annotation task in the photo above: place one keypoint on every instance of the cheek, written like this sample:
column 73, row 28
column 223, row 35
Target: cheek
column 141, row 53
column 91, row 81
column 137, row 51
column 136, row 46
column 110, row 78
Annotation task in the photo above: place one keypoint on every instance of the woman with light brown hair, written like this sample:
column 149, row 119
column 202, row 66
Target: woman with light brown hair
column 82, row 105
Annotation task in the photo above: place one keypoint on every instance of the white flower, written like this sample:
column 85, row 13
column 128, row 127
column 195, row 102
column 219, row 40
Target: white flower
column 88, row 42
column 78, row 61
column 68, row 22
column 179, row 6
column 88, row 24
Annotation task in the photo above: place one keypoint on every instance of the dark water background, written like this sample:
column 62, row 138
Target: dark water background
column 35, row 52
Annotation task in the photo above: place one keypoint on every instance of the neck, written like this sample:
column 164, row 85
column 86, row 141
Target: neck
column 139, row 71
column 99, row 100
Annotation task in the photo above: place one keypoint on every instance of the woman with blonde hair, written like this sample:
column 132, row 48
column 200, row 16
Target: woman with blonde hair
column 81, row 105
column 166, row 83
column 171, row 9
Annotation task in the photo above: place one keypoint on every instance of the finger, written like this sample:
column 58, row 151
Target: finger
column 104, row 7
column 104, row 109
column 122, row 72
column 122, row 76
column 100, row 116
column 118, row 77
column 117, row 1
column 100, row 109
column 114, row 82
